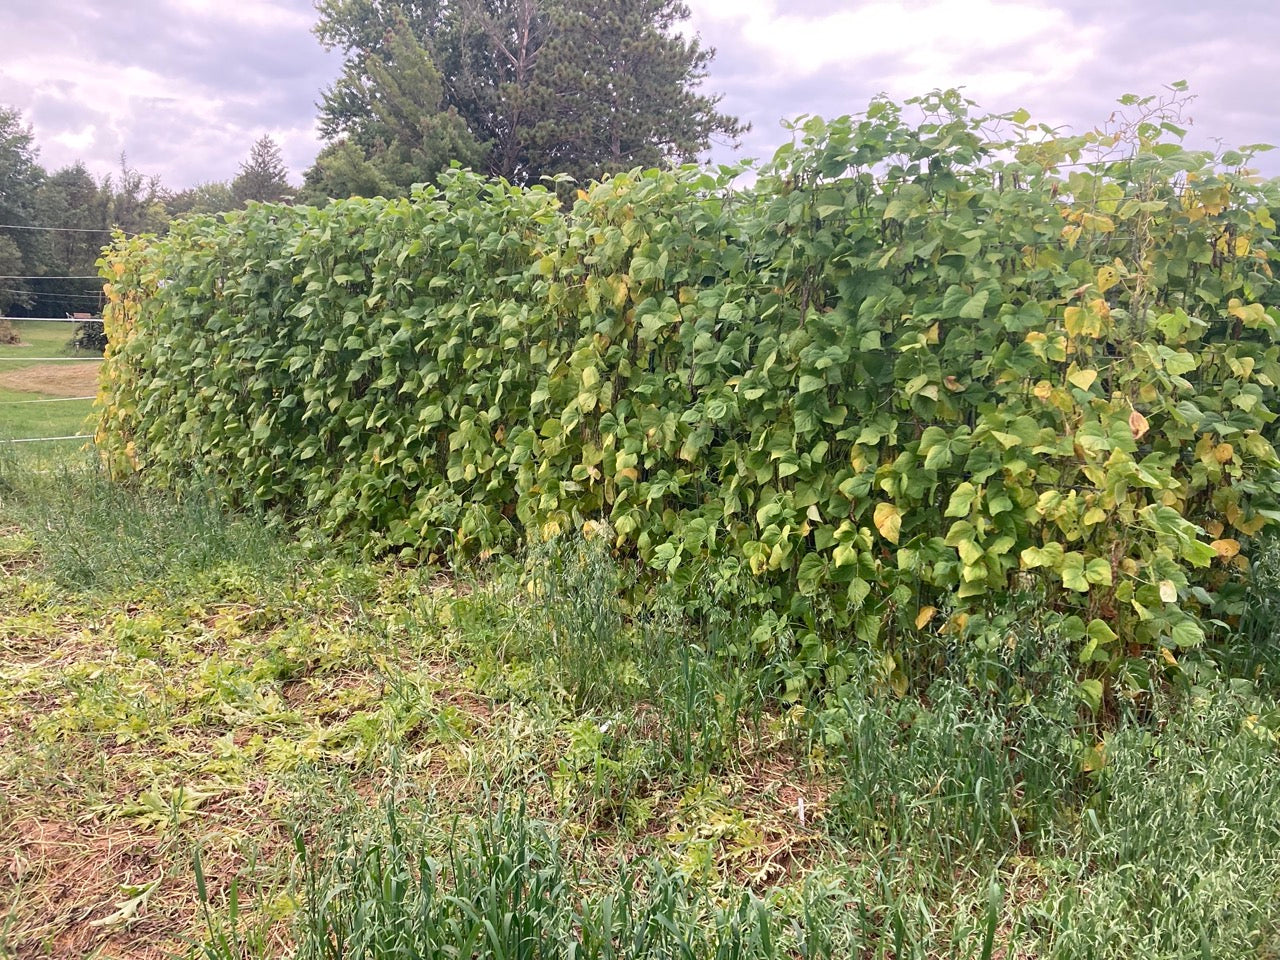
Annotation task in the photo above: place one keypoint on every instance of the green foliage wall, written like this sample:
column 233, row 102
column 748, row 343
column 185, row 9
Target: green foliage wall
column 915, row 367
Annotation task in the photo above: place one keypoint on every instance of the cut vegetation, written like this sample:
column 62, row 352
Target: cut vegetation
column 218, row 740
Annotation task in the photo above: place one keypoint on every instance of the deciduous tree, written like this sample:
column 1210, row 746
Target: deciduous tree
column 72, row 201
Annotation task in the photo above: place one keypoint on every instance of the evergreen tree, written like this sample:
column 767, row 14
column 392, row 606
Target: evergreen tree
column 263, row 176
column 342, row 170
column 541, row 86
column 617, row 88
column 20, row 177
column 135, row 200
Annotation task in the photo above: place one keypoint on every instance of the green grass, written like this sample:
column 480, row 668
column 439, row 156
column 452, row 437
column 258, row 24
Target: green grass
column 218, row 741
column 19, row 418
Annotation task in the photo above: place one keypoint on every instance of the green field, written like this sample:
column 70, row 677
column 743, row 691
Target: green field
column 219, row 740
column 43, row 380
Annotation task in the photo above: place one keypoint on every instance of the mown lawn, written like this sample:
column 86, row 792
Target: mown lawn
column 221, row 739
column 26, row 376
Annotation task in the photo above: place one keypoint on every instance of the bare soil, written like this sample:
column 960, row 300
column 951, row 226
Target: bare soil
column 77, row 379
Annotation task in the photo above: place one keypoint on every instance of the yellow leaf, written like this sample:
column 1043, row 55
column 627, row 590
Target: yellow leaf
column 898, row 681
column 1083, row 379
column 1097, row 222
column 1223, row 452
column 888, row 521
column 1043, row 389
column 1107, row 278
column 1226, row 549
column 924, row 616
column 1072, row 319
column 1251, row 526
column 582, row 194
column 1167, row 656
column 1094, row 758
column 1168, row 591
column 1138, row 425
column 1242, row 246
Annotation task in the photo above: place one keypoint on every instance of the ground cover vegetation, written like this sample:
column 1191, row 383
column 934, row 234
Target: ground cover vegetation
column 220, row 741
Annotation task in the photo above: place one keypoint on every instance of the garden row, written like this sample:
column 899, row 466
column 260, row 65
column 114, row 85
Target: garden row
column 918, row 366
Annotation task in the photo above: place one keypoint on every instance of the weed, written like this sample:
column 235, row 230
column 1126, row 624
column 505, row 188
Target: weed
column 94, row 534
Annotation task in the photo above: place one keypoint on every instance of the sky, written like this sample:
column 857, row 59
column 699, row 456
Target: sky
column 184, row 87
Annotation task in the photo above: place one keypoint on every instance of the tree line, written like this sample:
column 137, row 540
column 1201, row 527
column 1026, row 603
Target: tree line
column 53, row 224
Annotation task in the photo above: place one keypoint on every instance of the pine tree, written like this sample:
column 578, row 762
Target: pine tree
column 20, row 177
column 263, row 176
column 540, row 86
column 617, row 88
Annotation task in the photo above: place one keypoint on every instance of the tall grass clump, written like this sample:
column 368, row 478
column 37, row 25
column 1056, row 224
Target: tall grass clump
column 1177, row 852
column 574, row 583
column 94, row 533
column 500, row 889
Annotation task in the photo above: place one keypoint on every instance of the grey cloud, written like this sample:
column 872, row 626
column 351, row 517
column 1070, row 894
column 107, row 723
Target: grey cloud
column 1224, row 51
column 231, row 82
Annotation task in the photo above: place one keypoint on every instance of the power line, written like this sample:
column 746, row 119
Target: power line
column 51, row 294
column 15, row 226
column 56, row 319
column 88, row 276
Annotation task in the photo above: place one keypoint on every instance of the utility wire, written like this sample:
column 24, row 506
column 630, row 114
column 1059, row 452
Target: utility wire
column 55, row 319
column 51, row 294
column 15, row 226
column 87, row 276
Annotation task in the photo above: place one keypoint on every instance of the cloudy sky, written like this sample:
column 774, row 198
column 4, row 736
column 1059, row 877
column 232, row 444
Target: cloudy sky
column 184, row 87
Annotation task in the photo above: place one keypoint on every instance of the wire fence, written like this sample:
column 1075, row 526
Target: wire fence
column 78, row 436
column 46, row 397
